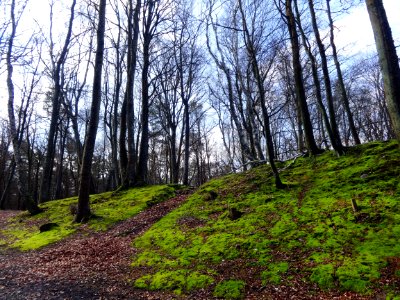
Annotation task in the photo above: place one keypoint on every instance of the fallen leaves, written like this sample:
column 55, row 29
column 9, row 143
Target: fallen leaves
column 83, row 266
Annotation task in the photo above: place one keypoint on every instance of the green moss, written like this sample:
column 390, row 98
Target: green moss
column 107, row 208
column 323, row 275
column 312, row 219
column 274, row 272
column 230, row 289
column 177, row 281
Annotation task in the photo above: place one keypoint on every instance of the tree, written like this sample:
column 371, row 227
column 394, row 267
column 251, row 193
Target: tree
column 252, row 37
column 316, row 80
column 298, row 79
column 227, row 74
column 133, row 36
column 57, row 66
column 151, row 20
column 336, row 141
column 20, row 174
column 343, row 94
column 83, row 212
column 388, row 60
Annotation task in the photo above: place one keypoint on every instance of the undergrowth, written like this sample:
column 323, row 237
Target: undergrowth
column 307, row 232
column 107, row 209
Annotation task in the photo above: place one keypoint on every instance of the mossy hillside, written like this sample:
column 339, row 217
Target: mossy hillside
column 307, row 231
column 107, row 208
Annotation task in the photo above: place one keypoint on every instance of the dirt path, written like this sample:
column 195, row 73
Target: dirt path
column 81, row 267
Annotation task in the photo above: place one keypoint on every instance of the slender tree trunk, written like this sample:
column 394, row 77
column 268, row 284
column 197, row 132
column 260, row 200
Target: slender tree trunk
column 187, row 141
column 299, row 84
column 317, row 84
column 142, row 167
column 388, row 60
column 20, row 173
column 123, row 153
column 244, row 146
column 251, row 51
column 45, row 190
column 336, row 141
column 344, row 96
column 133, row 36
column 85, row 173
column 7, row 184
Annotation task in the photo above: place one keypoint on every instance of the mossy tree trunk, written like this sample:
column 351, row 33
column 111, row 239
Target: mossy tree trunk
column 388, row 60
column 83, row 212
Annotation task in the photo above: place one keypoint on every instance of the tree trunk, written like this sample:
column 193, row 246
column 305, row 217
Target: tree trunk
column 317, row 84
column 244, row 146
column 344, row 97
column 299, row 84
column 45, row 190
column 335, row 136
column 20, row 173
column 83, row 212
column 133, row 36
column 388, row 60
column 251, row 51
column 142, row 167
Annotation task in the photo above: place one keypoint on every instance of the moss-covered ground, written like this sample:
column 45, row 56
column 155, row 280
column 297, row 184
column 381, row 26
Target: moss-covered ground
column 107, row 208
column 239, row 229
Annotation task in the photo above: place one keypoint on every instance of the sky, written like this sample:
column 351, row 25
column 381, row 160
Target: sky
column 355, row 32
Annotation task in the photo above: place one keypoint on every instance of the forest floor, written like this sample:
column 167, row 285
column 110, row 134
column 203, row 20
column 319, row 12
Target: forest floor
column 98, row 266
column 82, row 266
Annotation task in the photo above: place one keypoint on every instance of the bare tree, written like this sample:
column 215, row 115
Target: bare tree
column 340, row 80
column 252, row 37
column 45, row 190
column 298, row 79
column 20, row 174
column 83, row 212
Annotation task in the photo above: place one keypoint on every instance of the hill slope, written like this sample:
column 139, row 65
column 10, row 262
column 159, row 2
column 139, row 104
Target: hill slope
column 238, row 236
column 235, row 237
column 23, row 231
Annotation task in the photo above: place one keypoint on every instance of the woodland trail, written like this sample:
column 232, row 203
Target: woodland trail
column 93, row 266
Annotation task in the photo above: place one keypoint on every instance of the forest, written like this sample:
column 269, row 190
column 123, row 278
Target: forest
column 117, row 94
column 173, row 149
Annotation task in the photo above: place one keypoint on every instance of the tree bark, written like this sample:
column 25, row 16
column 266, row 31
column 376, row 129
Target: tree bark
column 83, row 212
column 343, row 93
column 317, row 83
column 45, row 190
column 251, row 51
column 299, row 84
column 388, row 60
column 133, row 36
column 142, row 167
column 20, row 173
column 335, row 136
